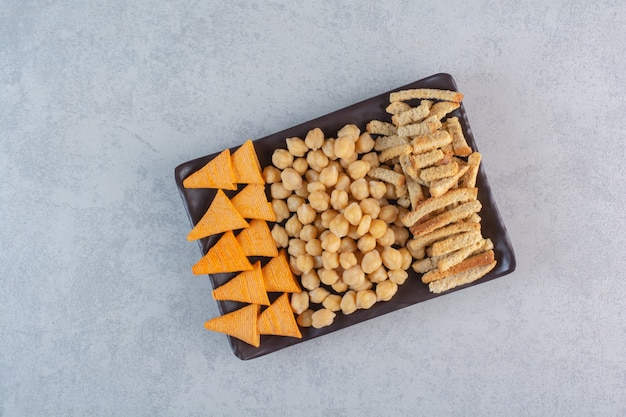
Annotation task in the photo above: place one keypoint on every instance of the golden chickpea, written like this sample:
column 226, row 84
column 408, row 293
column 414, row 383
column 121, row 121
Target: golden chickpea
column 300, row 165
column 353, row 275
column 311, row 175
column 390, row 193
column 372, row 159
column 339, row 286
column 347, row 260
column 271, row 174
column 299, row 302
column 293, row 202
column 331, row 242
column 388, row 213
column 296, row 247
column 293, row 265
column 359, row 189
column 281, row 158
column 364, row 224
column 318, row 294
column 314, row 138
column 339, row 225
column 308, row 233
column 306, row 214
column 407, row 259
column 416, row 252
column 350, row 130
column 330, row 260
column 344, row 147
column 366, row 243
column 398, row 276
column 328, row 176
column 302, row 191
column 387, row 239
column 401, row 235
column 343, row 182
column 364, row 143
column 392, row 258
column 362, row 286
column 377, row 189
column 291, row 179
column 401, row 212
column 353, row 232
column 328, row 276
column 319, row 200
column 370, row 206
column 332, row 302
column 297, row 147
column 348, row 302
column 338, row 199
column 385, row 290
column 317, row 160
column 353, row 213
column 345, row 162
column 322, row 318
column 378, row 276
column 327, row 216
column 317, row 261
column 305, row 263
column 358, row 169
column 280, row 236
column 315, row 186
column 293, row 226
column 305, row 319
column 278, row 191
column 371, row 261
column 281, row 210
column 365, row 299
column 329, row 148
column 310, row 280
column 377, row 228
column 348, row 244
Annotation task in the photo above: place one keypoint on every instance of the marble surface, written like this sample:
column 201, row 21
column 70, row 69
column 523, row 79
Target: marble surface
column 100, row 101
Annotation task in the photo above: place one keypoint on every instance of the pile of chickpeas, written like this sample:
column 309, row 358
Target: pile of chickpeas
column 344, row 238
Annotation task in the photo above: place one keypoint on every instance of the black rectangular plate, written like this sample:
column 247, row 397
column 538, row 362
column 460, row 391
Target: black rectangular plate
column 413, row 291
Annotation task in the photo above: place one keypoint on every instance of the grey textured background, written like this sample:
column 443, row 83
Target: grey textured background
column 99, row 101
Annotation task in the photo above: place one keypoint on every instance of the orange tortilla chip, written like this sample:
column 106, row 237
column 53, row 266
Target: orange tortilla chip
column 225, row 256
column 278, row 276
column 217, row 173
column 257, row 240
column 246, row 165
column 247, row 287
column 241, row 324
column 278, row 319
column 251, row 202
column 220, row 217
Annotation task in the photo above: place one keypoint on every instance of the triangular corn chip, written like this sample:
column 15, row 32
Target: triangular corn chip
column 257, row 240
column 220, row 217
column 278, row 319
column 247, row 287
column 278, row 276
column 246, row 165
column 241, row 324
column 217, row 173
column 251, row 202
column 225, row 256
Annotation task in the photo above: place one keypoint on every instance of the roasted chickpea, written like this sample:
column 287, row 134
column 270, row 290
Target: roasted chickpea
column 339, row 286
column 362, row 286
column 392, row 258
column 279, row 192
column 388, row 213
column 281, row 158
column 305, row 263
column 407, row 259
column 358, row 169
column 317, row 160
column 371, row 261
column 364, row 224
column 398, row 276
column 306, row 214
column 293, row 202
column 300, row 165
column 310, row 280
column 281, row 210
column 319, row 200
column 293, row 226
column 311, row 175
column 378, row 276
column 385, row 290
column 322, row 318
column 280, row 236
column 299, row 302
column 308, row 233
column 314, row 138
column 359, row 189
column 372, row 159
column 331, row 242
column 339, row 225
column 365, row 299
column 344, row 147
column 377, row 189
column 332, row 302
column 378, row 228
column 387, row 239
column 329, row 148
column 327, row 216
column 328, row 276
column 350, row 130
column 347, row 260
column 353, row 213
column 318, row 294
column 353, row 275
column 297, row 147
column 343, row 182
column 339, row 199
column 296, row 247
column 290, row 178
column 328, row 176
column 348, row 244
column 401, row 234
column 348, row 302
column 271, row 174
column 305, row 319
column 366, row 243
column 330, row 260
column 370, row 206
column 364, row 143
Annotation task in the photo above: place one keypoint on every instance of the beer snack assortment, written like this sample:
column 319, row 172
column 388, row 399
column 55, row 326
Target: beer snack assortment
column 333, row 226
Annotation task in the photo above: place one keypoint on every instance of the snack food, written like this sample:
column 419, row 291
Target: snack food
column 226, row 256
column 246, row 165
column 278, row 319
column 217, row 173
column 241, row 323
column 219, row 217
column 246, row 287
